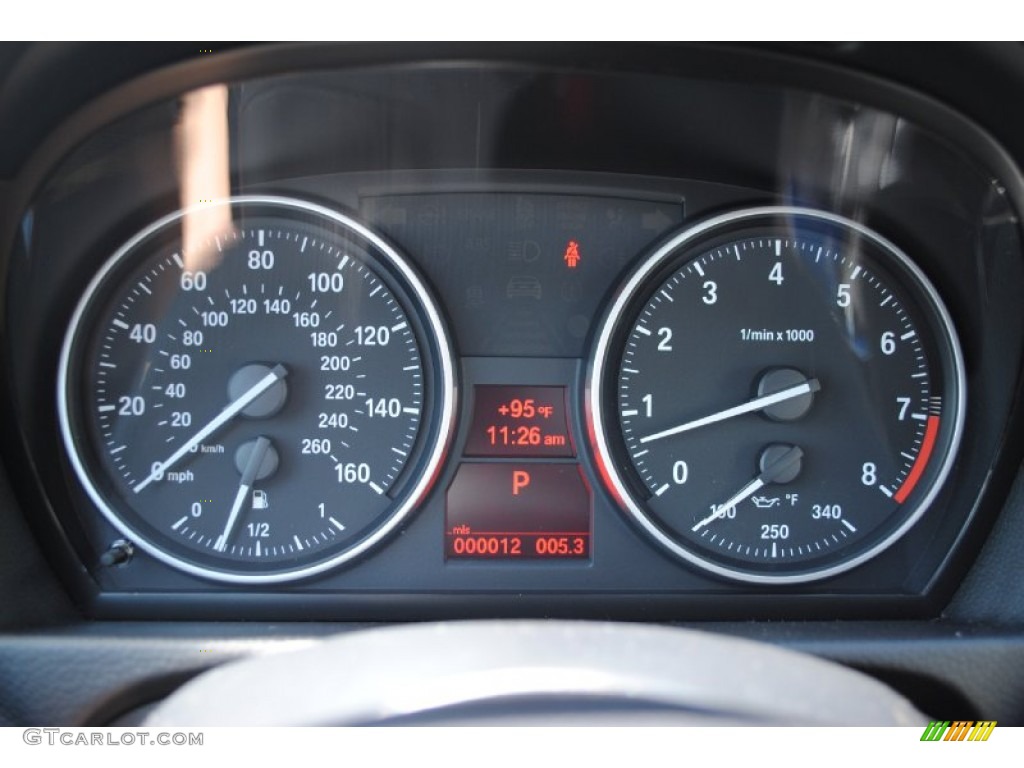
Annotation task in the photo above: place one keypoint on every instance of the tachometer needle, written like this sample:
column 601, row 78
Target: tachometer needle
column 248, row 478
column 777, row 469
column 757, row 404
column 222, row 418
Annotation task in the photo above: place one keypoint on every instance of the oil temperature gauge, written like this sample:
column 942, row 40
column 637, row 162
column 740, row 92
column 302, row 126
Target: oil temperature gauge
column 776, row 395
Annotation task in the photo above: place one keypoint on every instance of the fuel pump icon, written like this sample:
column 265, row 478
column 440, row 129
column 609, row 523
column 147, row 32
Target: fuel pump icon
column 260, row 500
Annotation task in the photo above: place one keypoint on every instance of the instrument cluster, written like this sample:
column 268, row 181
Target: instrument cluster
column 480, row 339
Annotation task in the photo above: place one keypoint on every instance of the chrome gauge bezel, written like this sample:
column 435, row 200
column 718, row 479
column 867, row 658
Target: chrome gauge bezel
column 605, row 358
column 439, row 357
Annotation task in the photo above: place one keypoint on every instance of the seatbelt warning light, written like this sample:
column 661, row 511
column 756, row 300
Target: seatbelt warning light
column 572, row 254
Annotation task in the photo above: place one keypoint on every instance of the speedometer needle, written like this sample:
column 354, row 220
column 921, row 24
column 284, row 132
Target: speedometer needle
column 248, row 477
column 757, row 404
column 222, row 418
column 778, row 468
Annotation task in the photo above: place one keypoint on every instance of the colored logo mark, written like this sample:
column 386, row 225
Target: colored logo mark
column 958, row 730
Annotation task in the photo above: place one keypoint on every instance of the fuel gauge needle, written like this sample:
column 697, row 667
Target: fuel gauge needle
column 233, row 409
column 776, row 469
column 248, row 478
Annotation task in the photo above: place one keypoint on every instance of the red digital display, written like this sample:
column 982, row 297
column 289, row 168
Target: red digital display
column 511, row 510
column 514, row 421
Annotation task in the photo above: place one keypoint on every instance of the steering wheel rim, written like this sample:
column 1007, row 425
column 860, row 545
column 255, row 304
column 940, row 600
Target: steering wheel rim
column 431, row 673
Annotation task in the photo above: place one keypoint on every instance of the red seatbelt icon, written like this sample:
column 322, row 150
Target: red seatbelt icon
column 572, row 254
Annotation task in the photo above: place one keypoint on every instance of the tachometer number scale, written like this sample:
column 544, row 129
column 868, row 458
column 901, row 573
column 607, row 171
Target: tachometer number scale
column 787, row 396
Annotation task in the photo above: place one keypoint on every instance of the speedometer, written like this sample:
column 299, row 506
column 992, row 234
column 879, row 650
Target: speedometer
column 776, row 395
column 256, row 390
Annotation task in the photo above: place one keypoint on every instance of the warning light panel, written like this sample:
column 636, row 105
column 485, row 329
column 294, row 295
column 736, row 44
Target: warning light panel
column 514, row 421
column 511, row 510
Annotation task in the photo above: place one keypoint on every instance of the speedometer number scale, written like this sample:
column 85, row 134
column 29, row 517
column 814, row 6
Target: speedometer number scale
column 783, row 395
column 256, row 406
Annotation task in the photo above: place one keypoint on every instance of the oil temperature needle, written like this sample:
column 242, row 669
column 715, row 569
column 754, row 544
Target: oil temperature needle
column 222, row 418
column 757, row 404
column 248, row 478
column 776, row 469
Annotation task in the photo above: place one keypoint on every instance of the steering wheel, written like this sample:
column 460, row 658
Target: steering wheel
column 533, row 673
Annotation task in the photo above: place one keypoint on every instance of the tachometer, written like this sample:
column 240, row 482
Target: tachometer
column 256, row 390
column 776, row 395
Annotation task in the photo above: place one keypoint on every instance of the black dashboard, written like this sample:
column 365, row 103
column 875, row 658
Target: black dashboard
column 305, row 336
